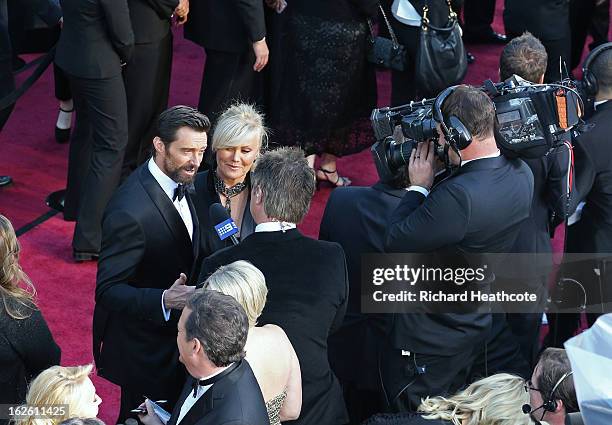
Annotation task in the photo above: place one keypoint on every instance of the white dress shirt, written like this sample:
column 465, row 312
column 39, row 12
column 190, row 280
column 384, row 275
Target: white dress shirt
column 191, row 400
column 274, row 226
column 168, row 186
column 182, row 207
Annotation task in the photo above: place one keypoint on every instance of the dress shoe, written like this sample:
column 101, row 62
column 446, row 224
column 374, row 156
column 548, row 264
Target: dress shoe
column 490, row 37
column 82, row 256
column 56, row 200
column 5, row 180
column 62, row 135
column 470, row 58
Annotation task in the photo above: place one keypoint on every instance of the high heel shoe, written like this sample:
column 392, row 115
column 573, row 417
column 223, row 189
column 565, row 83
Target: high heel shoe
column 62, row 135
column 338, row 182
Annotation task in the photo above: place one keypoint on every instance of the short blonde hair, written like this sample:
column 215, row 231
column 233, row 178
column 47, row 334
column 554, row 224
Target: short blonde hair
column 238, row 123
column 58, row 385
column 496, row 400
column 245, row 283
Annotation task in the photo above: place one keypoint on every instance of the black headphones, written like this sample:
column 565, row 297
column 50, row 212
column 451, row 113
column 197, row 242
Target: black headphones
column 455, row 132
column 550, row 405
column 589, row 79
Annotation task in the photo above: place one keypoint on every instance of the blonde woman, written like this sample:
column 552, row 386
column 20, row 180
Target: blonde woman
column 496, row 400
column 26, row 344
column 268, row 350
column 63, row 386
column 238, row 138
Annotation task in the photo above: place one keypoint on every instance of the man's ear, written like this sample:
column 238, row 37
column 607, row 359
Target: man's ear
column 158, row 145
column 560, row 406
column 196, row 346
column 257, row 194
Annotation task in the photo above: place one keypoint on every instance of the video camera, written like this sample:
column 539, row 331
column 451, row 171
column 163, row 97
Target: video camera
column 531, row 120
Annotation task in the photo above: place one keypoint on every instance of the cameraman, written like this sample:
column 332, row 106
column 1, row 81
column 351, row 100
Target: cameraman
column 477, row 209
column 592, row 233
column 513, row 343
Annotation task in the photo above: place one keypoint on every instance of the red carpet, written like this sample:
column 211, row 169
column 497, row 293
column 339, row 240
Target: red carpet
column 38, row 166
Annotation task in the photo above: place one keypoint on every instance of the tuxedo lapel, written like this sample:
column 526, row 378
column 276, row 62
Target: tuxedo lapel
column 187, row 389
column 202, row 407
column 196, row 227
column 169, row 213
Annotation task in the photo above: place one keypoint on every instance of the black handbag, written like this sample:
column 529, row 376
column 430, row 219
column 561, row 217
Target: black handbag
column 384, row 52
column 440, row 61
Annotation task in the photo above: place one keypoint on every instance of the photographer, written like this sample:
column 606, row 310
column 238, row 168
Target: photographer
column 592, row 231
column 513, row 344
column 477, row 209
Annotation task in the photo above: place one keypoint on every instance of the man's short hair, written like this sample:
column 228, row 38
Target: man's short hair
column 601, row 67
column 553, row 364
column 473, row 108
column 172, row 119
column 524, row 56
column 220, row 324
column 287, row 183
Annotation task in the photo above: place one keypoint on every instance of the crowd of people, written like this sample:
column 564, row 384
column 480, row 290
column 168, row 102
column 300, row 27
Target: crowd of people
column 210, row 299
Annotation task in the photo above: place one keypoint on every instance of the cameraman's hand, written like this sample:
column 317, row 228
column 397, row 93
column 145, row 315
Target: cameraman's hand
column 421, row 165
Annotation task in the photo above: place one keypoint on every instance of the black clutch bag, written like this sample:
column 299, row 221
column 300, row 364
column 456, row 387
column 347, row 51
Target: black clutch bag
column 385, row 52
column 441, row 61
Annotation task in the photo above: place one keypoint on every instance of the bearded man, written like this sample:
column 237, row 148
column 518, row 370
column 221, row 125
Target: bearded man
column 151, row 249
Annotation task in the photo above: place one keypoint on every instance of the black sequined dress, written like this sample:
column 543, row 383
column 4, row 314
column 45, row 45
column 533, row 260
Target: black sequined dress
column 327, row 87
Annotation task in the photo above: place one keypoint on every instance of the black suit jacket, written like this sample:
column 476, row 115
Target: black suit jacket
column 205, row 196
column 226, row 25
column 549, row 207
column 145, row 246
column 96, row 37
column 308, row 293
column 357, row 219
column 545, row 19
column 593, row 164
column 151, row 19
column 477, row 210
column 235, row 399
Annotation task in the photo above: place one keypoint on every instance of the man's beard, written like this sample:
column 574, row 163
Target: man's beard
column 174, row 172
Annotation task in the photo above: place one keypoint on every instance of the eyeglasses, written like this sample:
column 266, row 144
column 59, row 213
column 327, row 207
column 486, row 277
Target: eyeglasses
column 529, row 386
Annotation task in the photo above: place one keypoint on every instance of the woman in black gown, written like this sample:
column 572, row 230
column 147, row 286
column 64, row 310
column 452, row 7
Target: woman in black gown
column 325, row 89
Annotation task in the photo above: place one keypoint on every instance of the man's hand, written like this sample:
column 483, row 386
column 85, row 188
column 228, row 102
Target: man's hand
column 421, row 165
column 181, row 12
column 261, row 54
column 151, row 417
column 176, row 296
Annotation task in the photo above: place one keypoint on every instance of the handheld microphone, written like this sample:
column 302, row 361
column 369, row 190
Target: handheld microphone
column 225, row 227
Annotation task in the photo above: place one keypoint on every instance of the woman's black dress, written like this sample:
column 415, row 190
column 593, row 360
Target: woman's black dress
column 327, row 87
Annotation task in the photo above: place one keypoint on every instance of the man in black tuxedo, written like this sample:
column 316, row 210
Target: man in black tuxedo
column 150, row 252
column 548, row 20
column 147, row 74
column 221, row 387
column 513, row 344
column 592, row 233
column 306, row 278
column 357, row 219
column 477, row 210
column 233, row 35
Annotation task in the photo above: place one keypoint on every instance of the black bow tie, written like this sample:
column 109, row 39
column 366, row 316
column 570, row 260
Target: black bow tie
column 181, row 190
column 206, row 382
